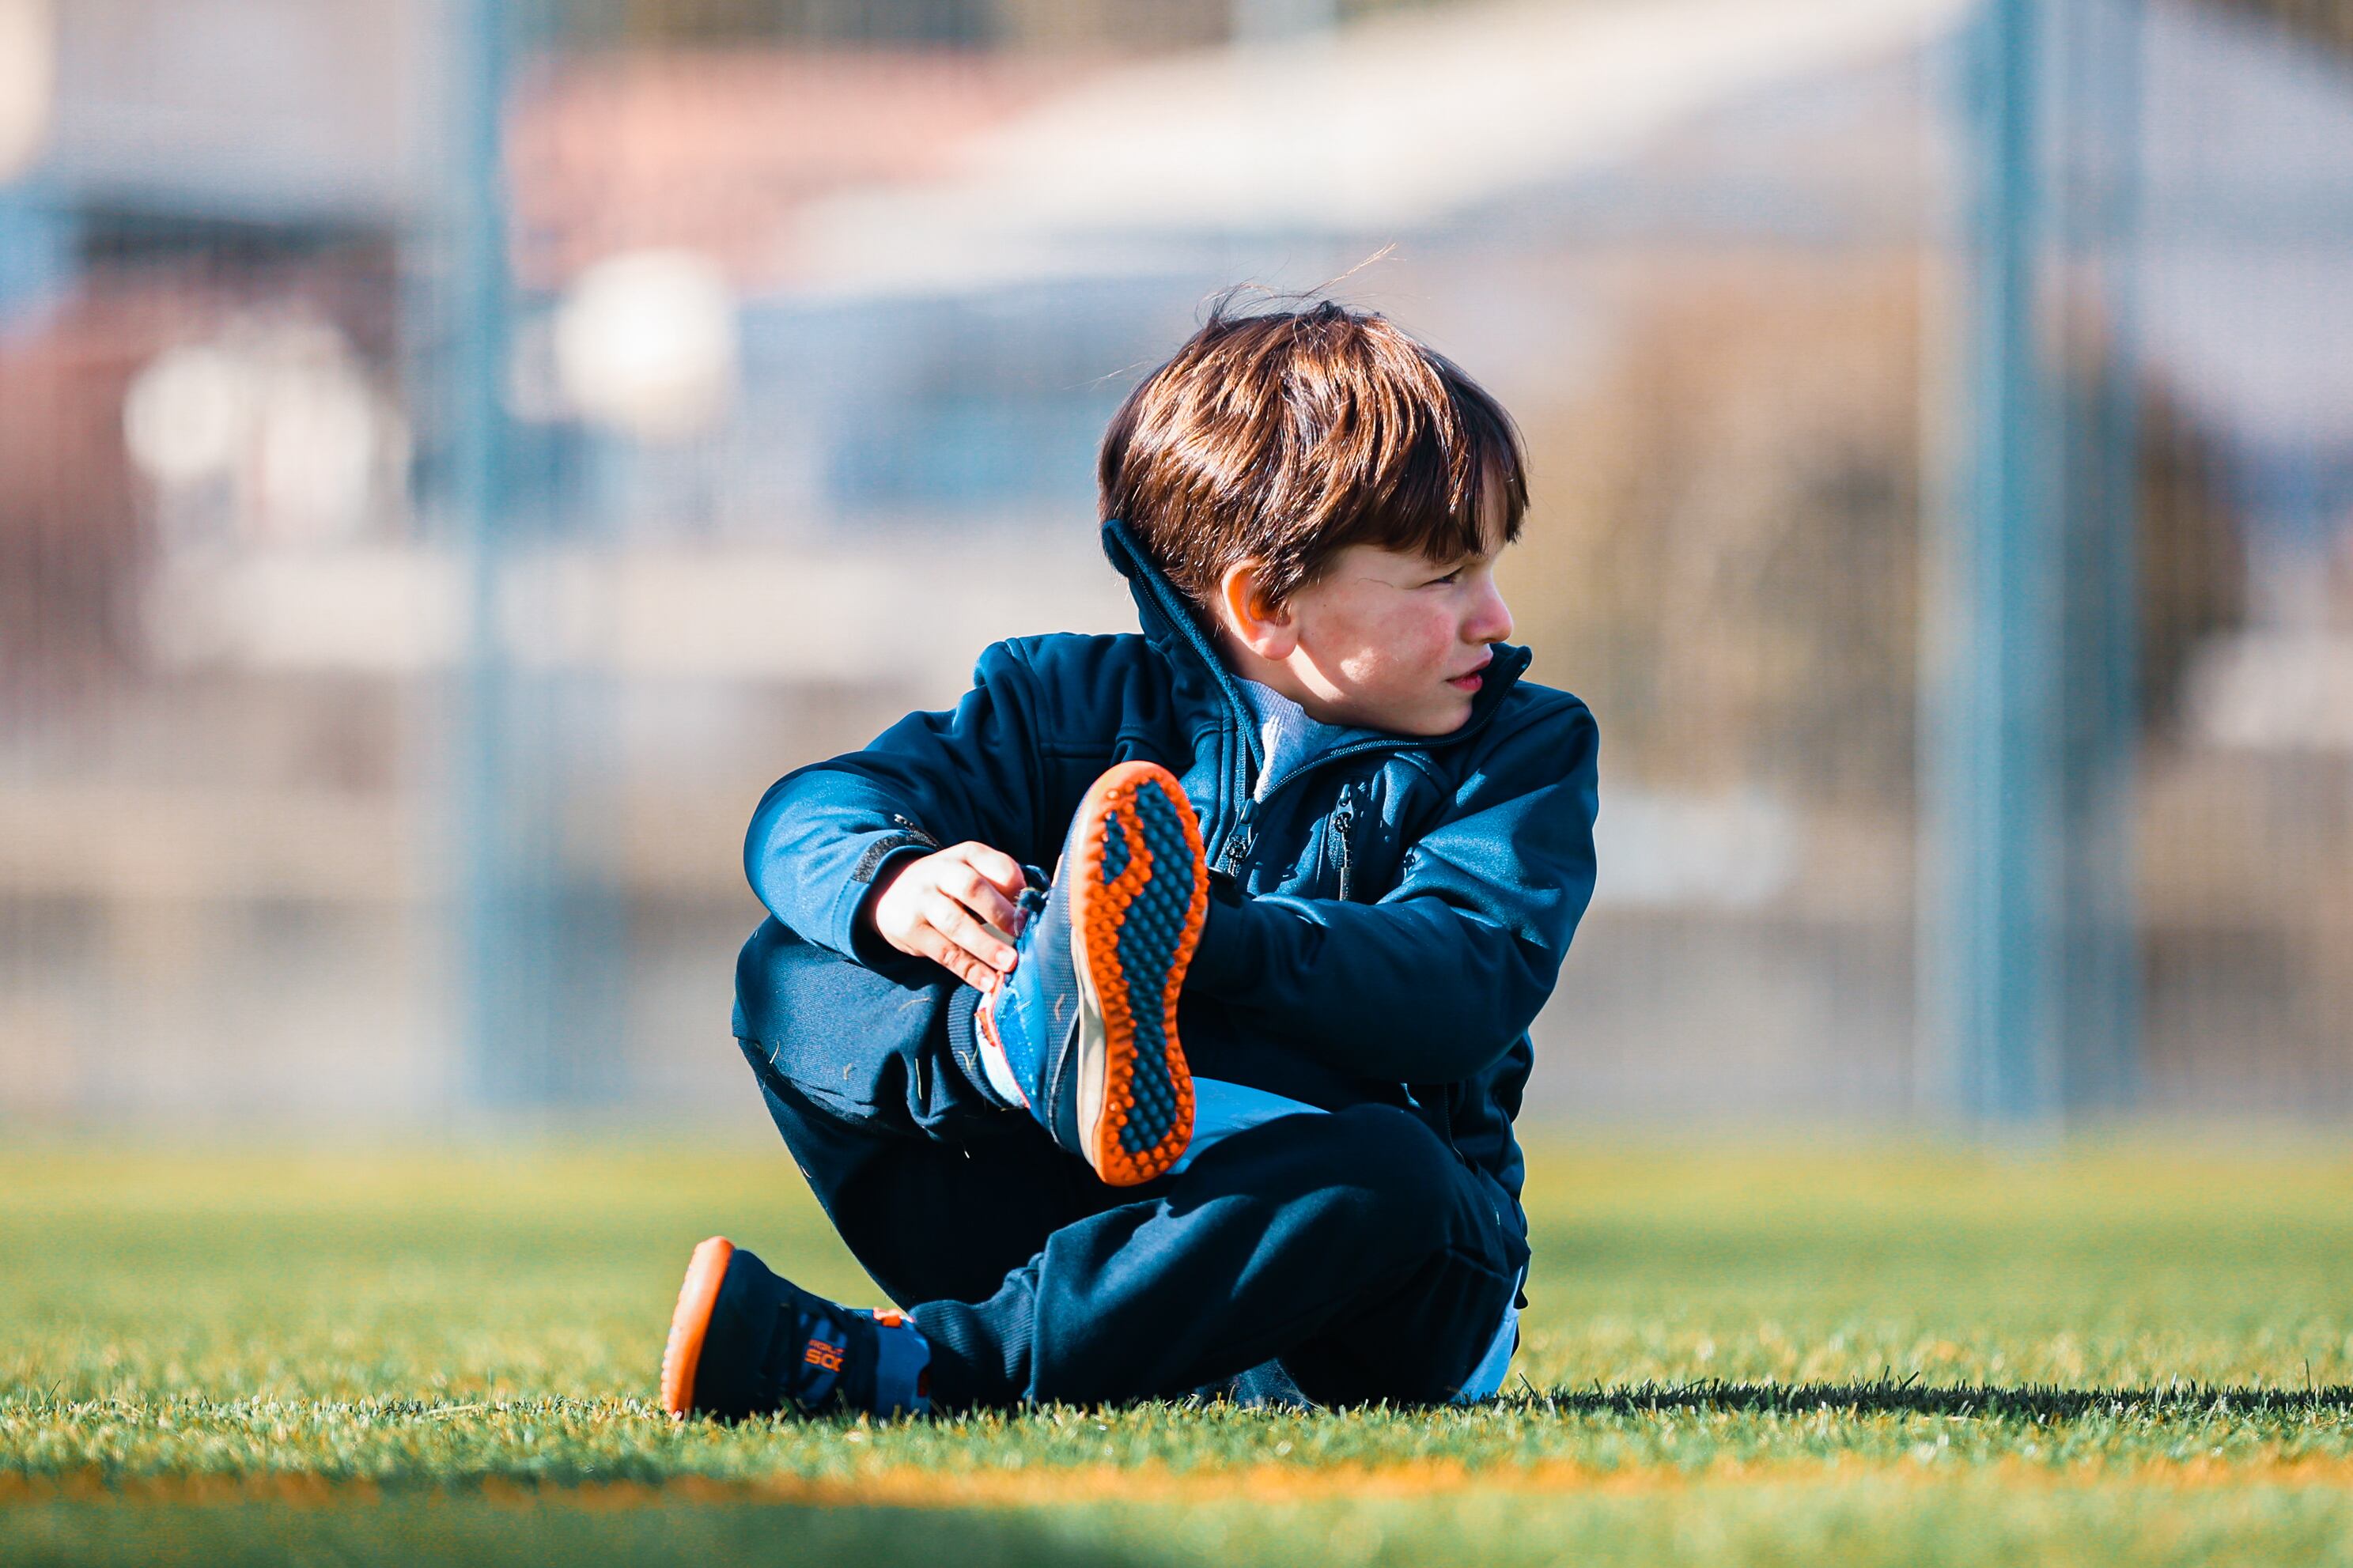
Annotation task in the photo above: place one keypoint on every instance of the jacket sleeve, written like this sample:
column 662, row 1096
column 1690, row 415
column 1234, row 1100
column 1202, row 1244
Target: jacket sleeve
column 824, row 834
column 1435, row 982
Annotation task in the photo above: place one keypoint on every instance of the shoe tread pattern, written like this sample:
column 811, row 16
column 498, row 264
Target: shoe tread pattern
column 1142, row 897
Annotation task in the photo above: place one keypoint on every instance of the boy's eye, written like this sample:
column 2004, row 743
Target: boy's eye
column 1449, row 577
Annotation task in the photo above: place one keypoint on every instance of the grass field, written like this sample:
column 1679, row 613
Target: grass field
column 2120, row 1353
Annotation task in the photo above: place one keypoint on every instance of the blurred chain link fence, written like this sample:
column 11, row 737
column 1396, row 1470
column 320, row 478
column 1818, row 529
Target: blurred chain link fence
column 454, row 456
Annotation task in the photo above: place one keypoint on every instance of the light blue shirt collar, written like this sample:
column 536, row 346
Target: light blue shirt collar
column 1288, row 738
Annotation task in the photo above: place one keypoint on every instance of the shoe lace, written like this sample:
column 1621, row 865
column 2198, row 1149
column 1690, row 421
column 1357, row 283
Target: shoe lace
column 1032, row 903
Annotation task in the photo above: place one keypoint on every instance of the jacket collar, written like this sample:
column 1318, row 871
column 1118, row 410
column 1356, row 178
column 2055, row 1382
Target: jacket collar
column 1170, row 626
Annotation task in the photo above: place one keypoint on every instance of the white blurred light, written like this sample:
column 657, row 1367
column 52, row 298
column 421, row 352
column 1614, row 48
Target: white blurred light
column 1665, row 849
column 646, row 342
column 317, row 450
column 270, row 431
column 28, row 76
column 2270, row 690
column 187, row 414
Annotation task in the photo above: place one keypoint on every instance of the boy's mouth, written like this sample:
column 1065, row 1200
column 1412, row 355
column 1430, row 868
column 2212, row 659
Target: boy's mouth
column 1472, row 682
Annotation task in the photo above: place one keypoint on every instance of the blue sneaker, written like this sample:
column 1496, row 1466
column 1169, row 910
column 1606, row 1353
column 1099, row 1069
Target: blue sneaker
column 744, row 1342
column 1087, row 1020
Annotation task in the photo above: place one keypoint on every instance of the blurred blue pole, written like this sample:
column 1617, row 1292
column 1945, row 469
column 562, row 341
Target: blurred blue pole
column 1997, row 937
column 543, row 951
column 492, row 875
column 1282, row 21
column 35, row 249
column 2102, row 51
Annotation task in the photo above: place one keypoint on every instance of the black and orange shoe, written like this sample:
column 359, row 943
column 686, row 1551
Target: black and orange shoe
column 1087, row 1020
column 744, row 1342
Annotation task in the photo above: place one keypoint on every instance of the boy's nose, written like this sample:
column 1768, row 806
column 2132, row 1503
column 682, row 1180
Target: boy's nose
column 1491, row 619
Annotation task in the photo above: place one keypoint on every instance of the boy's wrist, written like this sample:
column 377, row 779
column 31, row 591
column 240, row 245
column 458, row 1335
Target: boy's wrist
column 862, row 922
column 867, row 944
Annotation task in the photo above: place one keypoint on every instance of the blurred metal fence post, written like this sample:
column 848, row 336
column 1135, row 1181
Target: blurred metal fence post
column 36, row 247
column 541, row 952
column 504, row 1058
column 2029, row 940
column 2100, row 54
column 1993, row 958
column 1282, row 21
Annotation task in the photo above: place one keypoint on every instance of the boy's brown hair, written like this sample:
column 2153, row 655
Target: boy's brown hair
column 1289, row 436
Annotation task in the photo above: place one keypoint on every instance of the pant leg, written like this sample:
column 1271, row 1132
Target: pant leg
column 883, row 1041
column 937, row 1192
column 1352, row 1245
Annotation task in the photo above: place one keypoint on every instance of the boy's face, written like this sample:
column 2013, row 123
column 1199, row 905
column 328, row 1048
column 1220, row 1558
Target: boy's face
column 1396, row 641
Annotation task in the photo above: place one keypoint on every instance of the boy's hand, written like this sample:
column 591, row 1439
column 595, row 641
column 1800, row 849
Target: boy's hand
column 953, row 906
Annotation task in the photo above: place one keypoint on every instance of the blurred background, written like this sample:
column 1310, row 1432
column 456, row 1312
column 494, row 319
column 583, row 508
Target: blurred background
column 455, row 454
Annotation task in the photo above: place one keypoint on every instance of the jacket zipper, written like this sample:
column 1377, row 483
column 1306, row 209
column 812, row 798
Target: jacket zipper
column 1344, row 823
column 1238, row 842
column 1235, row 852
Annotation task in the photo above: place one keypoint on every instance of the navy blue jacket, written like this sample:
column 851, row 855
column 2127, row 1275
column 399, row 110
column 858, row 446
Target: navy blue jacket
column 1387, row 921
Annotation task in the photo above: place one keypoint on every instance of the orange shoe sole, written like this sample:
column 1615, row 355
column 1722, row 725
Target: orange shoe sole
column 1140, row 896
column 705, row 1271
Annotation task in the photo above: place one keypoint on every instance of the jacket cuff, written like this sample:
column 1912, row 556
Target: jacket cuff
column 851, row 935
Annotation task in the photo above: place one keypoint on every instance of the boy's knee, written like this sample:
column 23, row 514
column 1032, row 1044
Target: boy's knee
column 836, row 1028
column 1410, row 1179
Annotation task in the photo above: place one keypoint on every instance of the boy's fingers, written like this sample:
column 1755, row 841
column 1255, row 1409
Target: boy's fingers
column 1002, row 870
column 973, row 892
column 936, row 947
column 925, row 943
column 962, row 927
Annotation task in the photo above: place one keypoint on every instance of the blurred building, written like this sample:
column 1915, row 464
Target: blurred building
column 819, row 311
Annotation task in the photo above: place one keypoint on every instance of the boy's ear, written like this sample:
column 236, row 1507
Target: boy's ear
column 1266, row 630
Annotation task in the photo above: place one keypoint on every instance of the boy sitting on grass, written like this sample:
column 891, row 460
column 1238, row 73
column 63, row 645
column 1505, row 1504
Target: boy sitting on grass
column 1312, row 821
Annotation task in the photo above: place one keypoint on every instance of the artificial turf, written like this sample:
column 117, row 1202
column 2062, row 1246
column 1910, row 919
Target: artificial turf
column 2137, row 1351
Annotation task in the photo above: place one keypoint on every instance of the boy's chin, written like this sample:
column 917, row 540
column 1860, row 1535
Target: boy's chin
column 1441, row 718
column 1424, row 719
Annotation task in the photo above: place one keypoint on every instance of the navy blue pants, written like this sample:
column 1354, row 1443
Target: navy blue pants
column 1354, row 1246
